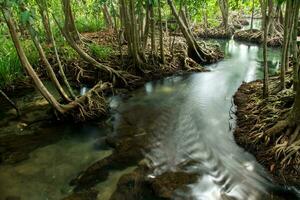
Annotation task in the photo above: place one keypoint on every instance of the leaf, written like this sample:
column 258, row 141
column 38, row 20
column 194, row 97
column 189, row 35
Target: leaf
column 25, row 16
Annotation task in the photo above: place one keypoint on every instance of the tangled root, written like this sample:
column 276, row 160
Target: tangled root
column 217, row 33
column 90, row 105
column 256, row 36
column 264, row 127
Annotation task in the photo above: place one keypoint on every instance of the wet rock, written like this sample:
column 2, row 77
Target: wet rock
column 16, row 148
column 165, row 184
column 83, row 195
column 137, row 186
column 127, row 153
column 133, row 186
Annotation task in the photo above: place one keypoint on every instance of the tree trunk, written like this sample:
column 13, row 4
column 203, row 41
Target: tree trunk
column 25, row 63
column 69, row 18
column 294, row 47
column 10, row 102
column 152, row 27
column 286, row 41
column 191, row 42
column 42, row 4
column 147, row 25
column 266, row 69
column 263, row 8
column 107, row 16
column 224, row 10
column 162, row 54
column 252, row 15
column 44, row 59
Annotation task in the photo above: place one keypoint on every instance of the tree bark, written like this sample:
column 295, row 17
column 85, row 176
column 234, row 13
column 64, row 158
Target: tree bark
column 266, row 69
column 152, row 27
column 42, row 4
column 25, row 63
column 192, row 43
column 70, row 21
column 107, row 16
column 224, row 10
column 162, row 54
column 252, row 15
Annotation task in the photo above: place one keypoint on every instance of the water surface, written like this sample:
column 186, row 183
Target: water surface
column 190, row 121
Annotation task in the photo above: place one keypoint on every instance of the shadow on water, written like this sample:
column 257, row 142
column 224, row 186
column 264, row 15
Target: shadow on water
column 189, row 128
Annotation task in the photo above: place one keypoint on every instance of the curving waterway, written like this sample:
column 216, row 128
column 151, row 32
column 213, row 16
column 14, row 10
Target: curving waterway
column 190, row 119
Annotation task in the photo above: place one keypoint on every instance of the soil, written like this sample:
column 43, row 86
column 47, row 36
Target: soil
column 255, row 116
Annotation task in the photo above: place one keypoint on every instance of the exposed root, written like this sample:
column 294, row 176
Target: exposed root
column 256, row 36
column 218, row 33
column 278, row 128
column 90, row 105
column 264, row 128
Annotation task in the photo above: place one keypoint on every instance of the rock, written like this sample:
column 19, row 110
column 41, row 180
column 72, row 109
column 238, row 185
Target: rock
column 136, row 186
column 165, row 184
column 127, row 153
column 84, row 195
column 133, row 186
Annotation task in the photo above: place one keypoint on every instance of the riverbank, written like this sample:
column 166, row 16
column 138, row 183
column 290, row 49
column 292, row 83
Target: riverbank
column 255, row 118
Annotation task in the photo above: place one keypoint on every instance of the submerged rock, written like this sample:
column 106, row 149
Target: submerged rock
column 84, row 195
column 138, row 186
column 165, row 184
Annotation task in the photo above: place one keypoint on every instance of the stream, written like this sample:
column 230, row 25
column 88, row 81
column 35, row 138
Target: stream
column 191, row 120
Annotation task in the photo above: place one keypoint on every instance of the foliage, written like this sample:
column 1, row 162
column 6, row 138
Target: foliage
column 101, row 52
column 10, row 66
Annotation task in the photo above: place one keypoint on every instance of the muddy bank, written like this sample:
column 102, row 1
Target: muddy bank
column 255, row 117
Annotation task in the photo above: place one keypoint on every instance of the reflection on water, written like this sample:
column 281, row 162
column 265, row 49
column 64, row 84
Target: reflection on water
column 192, row 132
column 248, row 57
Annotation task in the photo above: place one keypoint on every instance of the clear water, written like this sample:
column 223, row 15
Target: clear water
column 188, row 118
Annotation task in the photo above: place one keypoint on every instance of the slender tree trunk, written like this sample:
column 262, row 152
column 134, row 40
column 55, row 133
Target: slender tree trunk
column 162, row 54
column 13, row 104
column 224, row 10
column 43, row 57
column 107, row 16
column 263, row 8
column 152, row 26
column 147, row 26
column 69, row 18
column 252, row 15
column 286, row 42
column 266, row 68
column 25, row 63
column 192, row 43
column 294, row 47
column 42, row 4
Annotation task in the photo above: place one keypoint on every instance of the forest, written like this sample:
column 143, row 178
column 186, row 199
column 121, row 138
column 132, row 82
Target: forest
column 149, row 99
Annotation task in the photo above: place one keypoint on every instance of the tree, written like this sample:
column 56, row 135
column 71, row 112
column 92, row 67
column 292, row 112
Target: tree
column 268, row 10
column 225, row 13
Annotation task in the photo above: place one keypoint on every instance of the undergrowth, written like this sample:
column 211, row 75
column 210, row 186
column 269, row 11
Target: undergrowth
column 10, row 66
